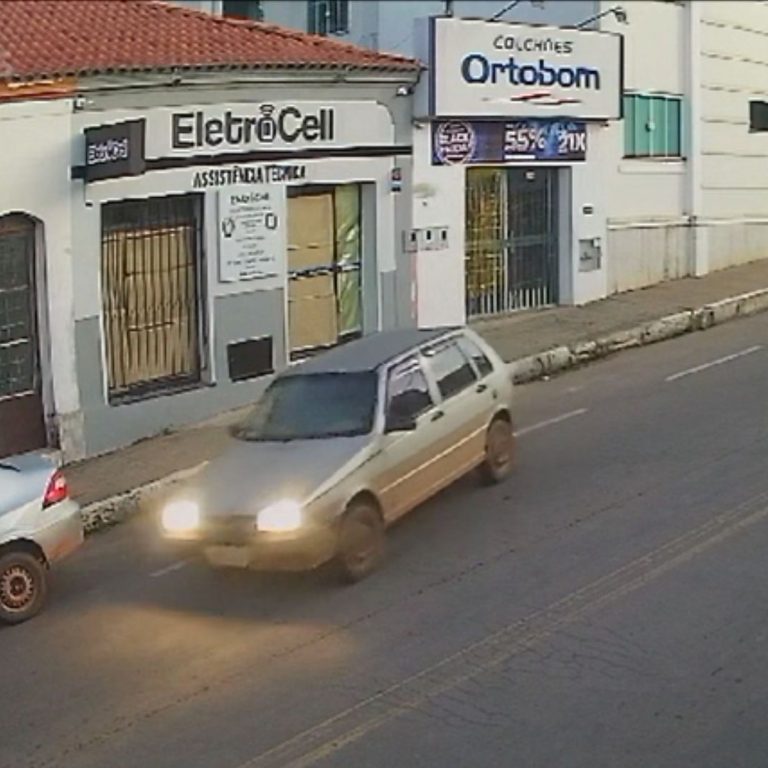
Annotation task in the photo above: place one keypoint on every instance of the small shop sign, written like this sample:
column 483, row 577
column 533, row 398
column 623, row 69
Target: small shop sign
column 457, row 142
column 248, row 174
column 116, row 150
column 252, row 235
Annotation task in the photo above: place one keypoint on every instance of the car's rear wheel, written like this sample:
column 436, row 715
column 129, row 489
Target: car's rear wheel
column 23, row 587
column 362, row 542
column 499, row 452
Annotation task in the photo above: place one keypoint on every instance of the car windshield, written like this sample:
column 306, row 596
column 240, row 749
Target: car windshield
column 315, row 406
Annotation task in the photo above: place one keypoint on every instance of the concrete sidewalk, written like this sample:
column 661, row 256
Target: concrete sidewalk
column 534, row 343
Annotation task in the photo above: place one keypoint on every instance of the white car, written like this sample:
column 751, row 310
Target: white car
column 343, row 445
column 39, row 525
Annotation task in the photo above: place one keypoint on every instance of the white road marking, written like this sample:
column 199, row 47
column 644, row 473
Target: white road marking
column 169, row 569
column 719, row 361
column 550, row 422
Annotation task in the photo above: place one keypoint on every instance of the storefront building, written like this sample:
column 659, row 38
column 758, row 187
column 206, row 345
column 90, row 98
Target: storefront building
column 173, row 239
column 554, row 165
column 504, row 203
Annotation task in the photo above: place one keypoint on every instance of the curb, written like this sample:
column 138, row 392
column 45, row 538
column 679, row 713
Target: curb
column 108, row 512
column 541, row 364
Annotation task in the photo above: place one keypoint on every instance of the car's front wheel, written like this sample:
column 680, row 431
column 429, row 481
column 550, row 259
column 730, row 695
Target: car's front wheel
column 361, row 544
column 499, row 452
column 23, row 587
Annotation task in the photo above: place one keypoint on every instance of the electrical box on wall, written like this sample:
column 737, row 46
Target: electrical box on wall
column 426, row 239
column 590, row 254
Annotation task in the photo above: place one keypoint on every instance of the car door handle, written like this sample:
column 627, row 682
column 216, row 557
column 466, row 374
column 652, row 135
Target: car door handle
column 481, row 387
column 438, row 415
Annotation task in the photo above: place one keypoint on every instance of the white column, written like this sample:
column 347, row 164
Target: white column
column 692, row 135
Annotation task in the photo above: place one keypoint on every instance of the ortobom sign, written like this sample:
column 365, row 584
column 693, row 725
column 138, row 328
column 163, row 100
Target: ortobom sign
column 495, row 69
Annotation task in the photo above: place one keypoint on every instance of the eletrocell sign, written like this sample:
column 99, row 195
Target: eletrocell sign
column 289, row 124
column 266, row 126
column 495, row 69
column 114, row 150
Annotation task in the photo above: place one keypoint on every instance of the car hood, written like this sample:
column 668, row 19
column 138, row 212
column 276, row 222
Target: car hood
column 251, row 475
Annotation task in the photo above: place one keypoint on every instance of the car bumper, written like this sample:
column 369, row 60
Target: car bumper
column 233, row 543
column 64, row 534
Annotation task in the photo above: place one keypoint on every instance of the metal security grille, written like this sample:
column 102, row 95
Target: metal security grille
column 487, row 254
column 22, row 425
column 533, row 225
column 17, row 316
column 512, row 245
column 150, row 254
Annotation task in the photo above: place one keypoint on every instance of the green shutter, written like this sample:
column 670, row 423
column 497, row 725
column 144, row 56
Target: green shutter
column 674, row 109
column 658, row 132
column 642, row 119
column 629, row 126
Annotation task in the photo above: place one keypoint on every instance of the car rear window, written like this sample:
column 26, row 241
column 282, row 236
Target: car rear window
column 472, row 350
column 451, row 369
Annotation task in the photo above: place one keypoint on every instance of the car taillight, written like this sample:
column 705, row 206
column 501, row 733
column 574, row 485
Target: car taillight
column 57, row 489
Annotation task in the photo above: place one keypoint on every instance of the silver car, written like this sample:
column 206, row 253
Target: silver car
column 39, row 525
column 341, row 446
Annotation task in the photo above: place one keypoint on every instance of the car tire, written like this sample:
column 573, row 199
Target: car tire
column 499, row 452
column 361, row 543
column 23, row 587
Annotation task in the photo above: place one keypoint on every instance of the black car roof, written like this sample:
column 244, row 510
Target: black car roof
column 369, row 353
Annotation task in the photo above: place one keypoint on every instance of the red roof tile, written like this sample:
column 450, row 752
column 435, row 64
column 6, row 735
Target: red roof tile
column 56, row 38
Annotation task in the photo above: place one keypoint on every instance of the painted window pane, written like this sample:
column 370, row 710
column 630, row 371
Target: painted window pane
column 657, row 132
column 642, row 126
column 758, row 116
column 674, row 128
column 652, row 126
column 348, row 257
column 324, row 267
column 629, row 126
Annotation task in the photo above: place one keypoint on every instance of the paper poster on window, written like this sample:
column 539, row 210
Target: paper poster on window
column 252, row 235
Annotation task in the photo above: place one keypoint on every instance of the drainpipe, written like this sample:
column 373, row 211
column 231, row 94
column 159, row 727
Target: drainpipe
column 693, row 130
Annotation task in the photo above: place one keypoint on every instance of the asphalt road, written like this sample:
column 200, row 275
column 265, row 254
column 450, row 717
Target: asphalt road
column 606, row 607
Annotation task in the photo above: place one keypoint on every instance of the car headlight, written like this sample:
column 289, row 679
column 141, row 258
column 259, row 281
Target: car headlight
column 181, row 516
column 280, row 517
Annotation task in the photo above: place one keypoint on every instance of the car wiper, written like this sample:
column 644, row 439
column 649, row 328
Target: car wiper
column 10, row 467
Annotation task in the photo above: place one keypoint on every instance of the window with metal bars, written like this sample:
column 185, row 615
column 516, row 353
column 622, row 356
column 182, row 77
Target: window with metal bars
column 328, row 17
column 150, row 270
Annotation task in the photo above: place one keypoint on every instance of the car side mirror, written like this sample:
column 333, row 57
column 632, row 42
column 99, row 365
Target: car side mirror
column 398, row 422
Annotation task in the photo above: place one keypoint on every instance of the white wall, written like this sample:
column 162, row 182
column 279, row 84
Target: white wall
column 438, row 200
column 734, row 162
column 646, row 196
column 35, row 174
column 734, row 69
